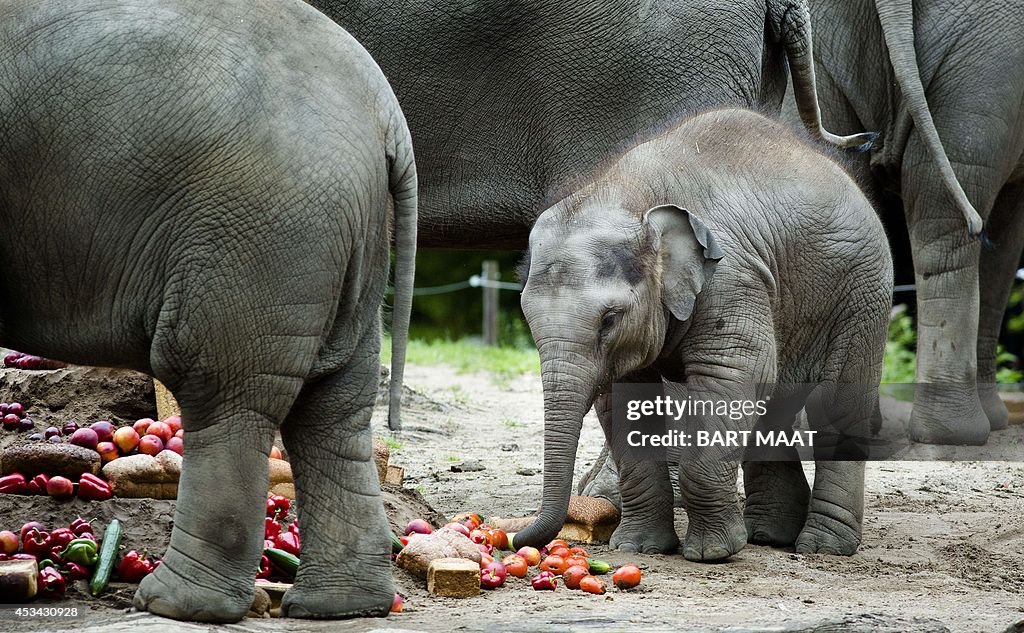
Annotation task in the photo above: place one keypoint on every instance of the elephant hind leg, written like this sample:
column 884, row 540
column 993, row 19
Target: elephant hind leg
column 999, row 262
column 230, row 421
column 346, row 568
column 776, row 492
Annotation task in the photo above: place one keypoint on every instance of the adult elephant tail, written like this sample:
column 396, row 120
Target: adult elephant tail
column 897, row 18
column 791, row 20
column 402, row 182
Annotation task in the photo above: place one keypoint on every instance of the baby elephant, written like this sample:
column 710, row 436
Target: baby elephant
column 206, row 192
column 717, row 258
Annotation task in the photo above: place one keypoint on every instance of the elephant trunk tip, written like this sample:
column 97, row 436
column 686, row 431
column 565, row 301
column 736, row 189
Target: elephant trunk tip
column 537, row 534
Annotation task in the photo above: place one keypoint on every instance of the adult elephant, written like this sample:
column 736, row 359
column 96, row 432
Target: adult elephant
column 917, row 72
column 510, row 101
column 187, row 205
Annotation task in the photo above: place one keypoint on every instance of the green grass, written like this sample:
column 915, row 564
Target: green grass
column 392, row 443
column 466, row 357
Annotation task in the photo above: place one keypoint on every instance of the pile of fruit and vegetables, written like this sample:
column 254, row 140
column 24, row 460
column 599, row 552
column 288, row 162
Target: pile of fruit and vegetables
column 37, row 562
column 101, row 461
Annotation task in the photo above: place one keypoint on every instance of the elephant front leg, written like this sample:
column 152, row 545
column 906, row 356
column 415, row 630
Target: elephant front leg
column 207, row 572
column 645, row 493
column 346, row 568
column 708, row 480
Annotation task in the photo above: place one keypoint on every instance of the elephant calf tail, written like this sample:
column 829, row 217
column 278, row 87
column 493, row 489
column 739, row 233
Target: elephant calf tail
column 897, row 19
column 791, row 19
column 402, row 183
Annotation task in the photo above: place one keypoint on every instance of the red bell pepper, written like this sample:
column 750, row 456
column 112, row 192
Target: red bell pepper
column 134, row 567
column 80, row 525
column 37, row 544
column 265, row 568
column 37, row 485
column 74, row 571
column 13, row 484
column 281, row 505
column 92, row 487
column 288, row 542
column 62, row 536
column 271, row 528
column 51, row 583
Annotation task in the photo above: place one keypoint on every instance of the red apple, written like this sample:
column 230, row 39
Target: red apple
column 275, row 453
column 150, row 445
column 142, row 426
column 104, row 430
column 126, row 439
column 17, row 409
column 458, row 527
column 175, row 444
column 160, row 430
column 28, row 527
column 180, row 433
column 173, row 421
column 107, row 451
column 60, row 488
column 85, row 437
column 418, row 526
column 8, row 542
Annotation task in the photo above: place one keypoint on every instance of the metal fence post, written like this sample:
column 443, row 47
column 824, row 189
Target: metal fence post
column 490, row 274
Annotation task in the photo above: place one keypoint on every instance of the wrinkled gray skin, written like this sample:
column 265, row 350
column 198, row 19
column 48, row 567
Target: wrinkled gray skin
column 779, row 272
column 508, row 102
column 185, row 193
column 873, row 58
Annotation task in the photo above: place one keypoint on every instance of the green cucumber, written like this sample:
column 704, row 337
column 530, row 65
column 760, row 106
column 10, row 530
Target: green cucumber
column 598, row 566
column 285, row 561
column 109, row 546
column 396, row 544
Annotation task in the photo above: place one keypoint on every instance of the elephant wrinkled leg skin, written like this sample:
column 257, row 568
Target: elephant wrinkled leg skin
column 207, row 573
column 996, row 274
column 602, row 480
column 776, row 506
column 836, row 513
column 716, row 529
column 647, row 524
column 346, row 568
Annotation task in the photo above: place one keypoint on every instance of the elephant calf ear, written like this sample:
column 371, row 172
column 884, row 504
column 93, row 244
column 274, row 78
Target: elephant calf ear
column 688, row 255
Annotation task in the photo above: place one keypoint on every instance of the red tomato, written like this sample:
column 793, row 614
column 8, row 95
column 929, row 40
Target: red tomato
column 591, row 584
column 556, row 543
column 499, row 539
column 515, row 565
column 579, row 551
column 574, row 575
column 554, row 564
column 577, row 561
column 626, row 577
column 559, row 551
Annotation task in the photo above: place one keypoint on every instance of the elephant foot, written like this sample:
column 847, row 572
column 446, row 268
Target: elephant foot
column 776, row 505
column 602, row 481
column 822, row 535
column 775, row 528
column 177, row 595
column 335, row 603
column 709, row 540
column 948, row 414
column 644, row 540
column 992, row 404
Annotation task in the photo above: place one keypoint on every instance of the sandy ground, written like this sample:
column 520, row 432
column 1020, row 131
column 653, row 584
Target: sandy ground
column 943, row 542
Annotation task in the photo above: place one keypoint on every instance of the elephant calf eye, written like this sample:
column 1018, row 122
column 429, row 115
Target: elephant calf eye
column 608, row 320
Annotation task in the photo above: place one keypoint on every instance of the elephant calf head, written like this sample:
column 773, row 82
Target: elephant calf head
column 603, row 276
